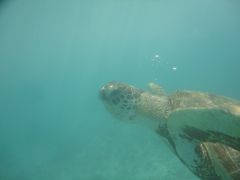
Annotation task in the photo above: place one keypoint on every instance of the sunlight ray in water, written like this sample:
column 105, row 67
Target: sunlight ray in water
column 54, row 57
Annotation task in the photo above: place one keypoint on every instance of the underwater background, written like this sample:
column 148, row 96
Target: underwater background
column 56, row 55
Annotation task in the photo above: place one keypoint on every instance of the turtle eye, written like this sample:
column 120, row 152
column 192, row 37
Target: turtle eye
column 114, row 102
column 114, row 92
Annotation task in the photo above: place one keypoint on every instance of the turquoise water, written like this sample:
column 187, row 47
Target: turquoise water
column 54, row 57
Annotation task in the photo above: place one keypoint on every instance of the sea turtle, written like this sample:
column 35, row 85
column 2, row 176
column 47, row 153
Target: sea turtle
column 201, row 129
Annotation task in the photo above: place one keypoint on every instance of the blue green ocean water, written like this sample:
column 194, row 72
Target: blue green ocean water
column 54, row 57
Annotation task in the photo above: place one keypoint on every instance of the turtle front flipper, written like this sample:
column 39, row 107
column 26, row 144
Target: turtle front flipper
column 225, row 160
column 195, row 130
column 206, row 125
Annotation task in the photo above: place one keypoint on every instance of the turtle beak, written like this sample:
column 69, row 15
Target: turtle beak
column 102, row 93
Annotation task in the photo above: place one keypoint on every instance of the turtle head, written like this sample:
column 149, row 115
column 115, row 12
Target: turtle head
column 120, row 99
